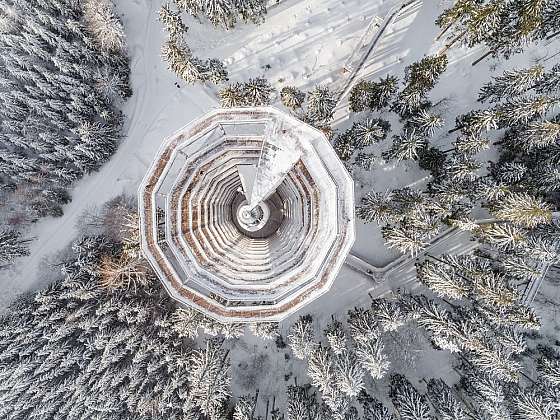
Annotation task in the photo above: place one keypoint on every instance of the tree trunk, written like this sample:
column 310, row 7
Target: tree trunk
column 444, row 30
column 453, row 41
column 454, row 129
column 475, row 62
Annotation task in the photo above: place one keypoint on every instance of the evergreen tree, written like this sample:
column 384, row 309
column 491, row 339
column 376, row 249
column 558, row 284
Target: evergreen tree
column 106, row 28
column 372, row 359
column 406, row 146
column 266, row 330
column 334, row 332
column 257, row 92
column 373, row 409
column 445, row 403
column 369, row 131
column 366, row 161
column 373, row 95
column 523, row 209
column 209, row 379
column 301, row 337
column 410, row 404
column 349, row 373
column 292, row 97
column 11, row 246
column 426, row 122
column 76, row 350
column 511, row 83
column 320, row 103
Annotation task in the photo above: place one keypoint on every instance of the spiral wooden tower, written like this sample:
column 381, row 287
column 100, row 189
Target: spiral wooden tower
column 247, row 214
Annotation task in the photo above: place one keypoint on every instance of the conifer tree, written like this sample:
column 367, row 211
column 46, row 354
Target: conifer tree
column 445, row 403
column 366, row 161
column 349, row 373
column 410, row 404
column 426, row 122
column 335, row 335
column 406, row 146
column 373, row 409
column 371, row 95
column 11, row 246
column 406, row 240
column 301, row 337
column 523, row 209
column 292, row 97
column 377, row 207
column 320, row 104
column 369, row 131
column 266, row 330
column 511, row 83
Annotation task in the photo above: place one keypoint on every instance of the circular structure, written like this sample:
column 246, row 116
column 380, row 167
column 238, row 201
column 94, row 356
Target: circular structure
column 247, row 214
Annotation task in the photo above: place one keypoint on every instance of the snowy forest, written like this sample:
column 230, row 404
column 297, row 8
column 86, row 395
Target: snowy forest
column 452, row 312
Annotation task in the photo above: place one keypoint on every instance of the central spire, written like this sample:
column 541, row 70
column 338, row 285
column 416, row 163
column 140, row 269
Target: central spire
column 275, row 161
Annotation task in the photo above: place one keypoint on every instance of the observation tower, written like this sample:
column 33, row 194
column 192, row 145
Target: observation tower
column 246, row 214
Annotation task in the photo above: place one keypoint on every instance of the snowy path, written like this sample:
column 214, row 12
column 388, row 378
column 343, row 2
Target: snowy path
column 155, row 111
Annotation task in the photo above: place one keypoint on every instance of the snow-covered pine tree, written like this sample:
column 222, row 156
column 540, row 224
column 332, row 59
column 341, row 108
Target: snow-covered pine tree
column 511, row 83
column 372, row 95
column 426, row 122
column 471, row 144
column 58, row 60
column 266, row 330
column 377, row 207
column 257, row 92
column 442, row 279
column 523, row 209
column 474, row 122
column 407, row 145
column 292, row 97
column 404, row 238
column 372, row 359
column 535, row 135
column 447, row 406
column 362, row 325
column 369, row 131
column 366, row 161
column 209, row 379
column 336, row 336
column 300, row 405
column 11, row 246
column 522, row 110
column 172, row 22
column 410, row 404
column 301, row 337
column 244, row 408
column 422, row 75
column 106, row 28
column 344, row 145
column 550, row 82
column 320, row 106
column 349, row 373
column 373, row 409
column 232, row 96
column 460, row 168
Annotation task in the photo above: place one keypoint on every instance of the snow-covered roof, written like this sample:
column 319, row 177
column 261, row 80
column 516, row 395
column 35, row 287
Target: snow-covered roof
column 189, row 202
